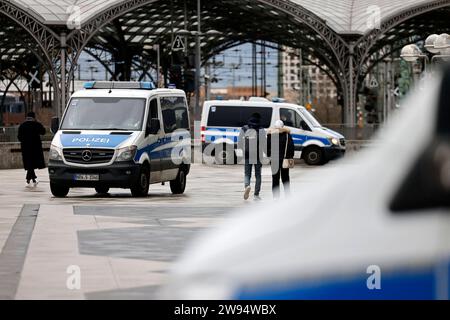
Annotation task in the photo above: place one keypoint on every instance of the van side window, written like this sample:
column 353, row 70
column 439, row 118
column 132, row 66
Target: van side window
column 153, row 111
column 237, row 117
column 298, row 121
column 175, row 113
column 290, row 118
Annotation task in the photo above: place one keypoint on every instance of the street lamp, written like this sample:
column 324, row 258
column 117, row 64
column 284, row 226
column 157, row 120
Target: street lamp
column 429, row 44
column 439, row 45
column 442, row 45
column 411, row 53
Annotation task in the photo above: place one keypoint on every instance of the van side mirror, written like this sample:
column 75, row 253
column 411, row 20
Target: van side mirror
column 153, row 127
column 427, row 186
column 54, row 125
column 304, row 126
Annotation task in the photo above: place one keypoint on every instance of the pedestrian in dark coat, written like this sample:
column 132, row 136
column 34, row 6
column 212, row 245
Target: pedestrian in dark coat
column 30, row 133
column 252, row 142
column 280, row 146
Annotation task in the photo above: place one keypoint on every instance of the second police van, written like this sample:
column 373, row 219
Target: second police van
column 223, row 120
column 121, row 135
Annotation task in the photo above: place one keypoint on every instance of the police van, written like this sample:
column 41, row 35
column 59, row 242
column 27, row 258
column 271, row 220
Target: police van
column 121, row 135
column 376, row 227
column 222, row 121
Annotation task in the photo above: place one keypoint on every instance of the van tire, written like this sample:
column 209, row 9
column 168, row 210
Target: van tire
column 178, row 186
column 58, row 190
column 314, row 156
column 102, row 190
column 224, row 157
column 140, row 188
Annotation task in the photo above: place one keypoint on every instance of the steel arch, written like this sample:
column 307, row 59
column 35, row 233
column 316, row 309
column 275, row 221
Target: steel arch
column 78, row 39
column 46, row 39
column 360, row 52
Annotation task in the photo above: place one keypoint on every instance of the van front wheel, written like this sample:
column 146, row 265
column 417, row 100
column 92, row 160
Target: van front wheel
column 178, row 186
column 314, row 156
column 140, row 188
column 58, row 190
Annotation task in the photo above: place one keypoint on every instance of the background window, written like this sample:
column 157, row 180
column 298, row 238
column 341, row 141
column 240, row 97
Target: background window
column 237, row 117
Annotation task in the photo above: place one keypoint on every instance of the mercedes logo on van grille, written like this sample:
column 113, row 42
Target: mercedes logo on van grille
column 86, row 155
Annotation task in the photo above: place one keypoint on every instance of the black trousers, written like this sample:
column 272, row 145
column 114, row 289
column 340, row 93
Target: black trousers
column 284, row 175
column 31, row 175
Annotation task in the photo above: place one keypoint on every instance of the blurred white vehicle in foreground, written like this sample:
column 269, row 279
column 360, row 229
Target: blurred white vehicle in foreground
column 379, row 229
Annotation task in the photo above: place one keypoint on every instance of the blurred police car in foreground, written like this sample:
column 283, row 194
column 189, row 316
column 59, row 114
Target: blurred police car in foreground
column 377, row 229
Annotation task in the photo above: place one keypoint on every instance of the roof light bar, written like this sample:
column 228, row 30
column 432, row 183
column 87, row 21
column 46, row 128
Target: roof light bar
column 119, row 85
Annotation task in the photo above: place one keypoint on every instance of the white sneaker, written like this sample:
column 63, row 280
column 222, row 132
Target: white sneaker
column 257, row 198
column 35, row 184
column 247, row 193
column 29, row 185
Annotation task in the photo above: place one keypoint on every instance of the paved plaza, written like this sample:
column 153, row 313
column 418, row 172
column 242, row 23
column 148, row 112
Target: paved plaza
column 123, row 246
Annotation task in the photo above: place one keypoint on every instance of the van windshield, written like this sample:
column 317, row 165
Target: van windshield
column 122, row 114
column 310, row 118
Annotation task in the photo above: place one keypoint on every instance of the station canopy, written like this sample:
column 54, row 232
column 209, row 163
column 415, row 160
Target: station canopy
column 123, row 28
column 343, row 16
column 345, row 38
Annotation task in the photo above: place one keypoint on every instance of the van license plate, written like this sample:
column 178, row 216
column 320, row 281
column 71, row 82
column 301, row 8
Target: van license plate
column 87, row 177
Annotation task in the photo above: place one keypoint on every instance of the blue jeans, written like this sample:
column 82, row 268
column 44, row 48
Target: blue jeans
column 248, row 176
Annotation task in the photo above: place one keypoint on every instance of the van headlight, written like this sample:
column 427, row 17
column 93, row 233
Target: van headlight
column 126, row 154
column 55, row 153
column 334, row 141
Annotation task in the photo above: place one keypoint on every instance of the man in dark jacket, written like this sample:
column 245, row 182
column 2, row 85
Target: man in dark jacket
column 252, row 141
column 30, row 133
column 280, row 146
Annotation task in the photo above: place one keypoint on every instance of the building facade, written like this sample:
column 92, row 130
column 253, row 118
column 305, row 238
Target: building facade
column 304, row 80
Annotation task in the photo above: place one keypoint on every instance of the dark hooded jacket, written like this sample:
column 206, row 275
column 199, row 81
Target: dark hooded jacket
column 30, row 138
column 281, row 137
column 252, row 138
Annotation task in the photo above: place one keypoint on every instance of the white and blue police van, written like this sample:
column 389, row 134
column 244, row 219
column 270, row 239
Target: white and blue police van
column 375, row 227
column 222, row 121
column 121, row 135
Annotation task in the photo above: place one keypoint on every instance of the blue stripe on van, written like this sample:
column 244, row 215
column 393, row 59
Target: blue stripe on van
column 223, row 129
column 299, row 139
column 210, row 138
column 164, row 153
column 403, row 284
column 149, row 150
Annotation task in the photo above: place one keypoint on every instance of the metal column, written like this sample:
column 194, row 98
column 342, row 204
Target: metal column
column 263, row 69
column 254, row 71
column 280, row 72
column 197, row 61
column 350, row 107
column 63, row 76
